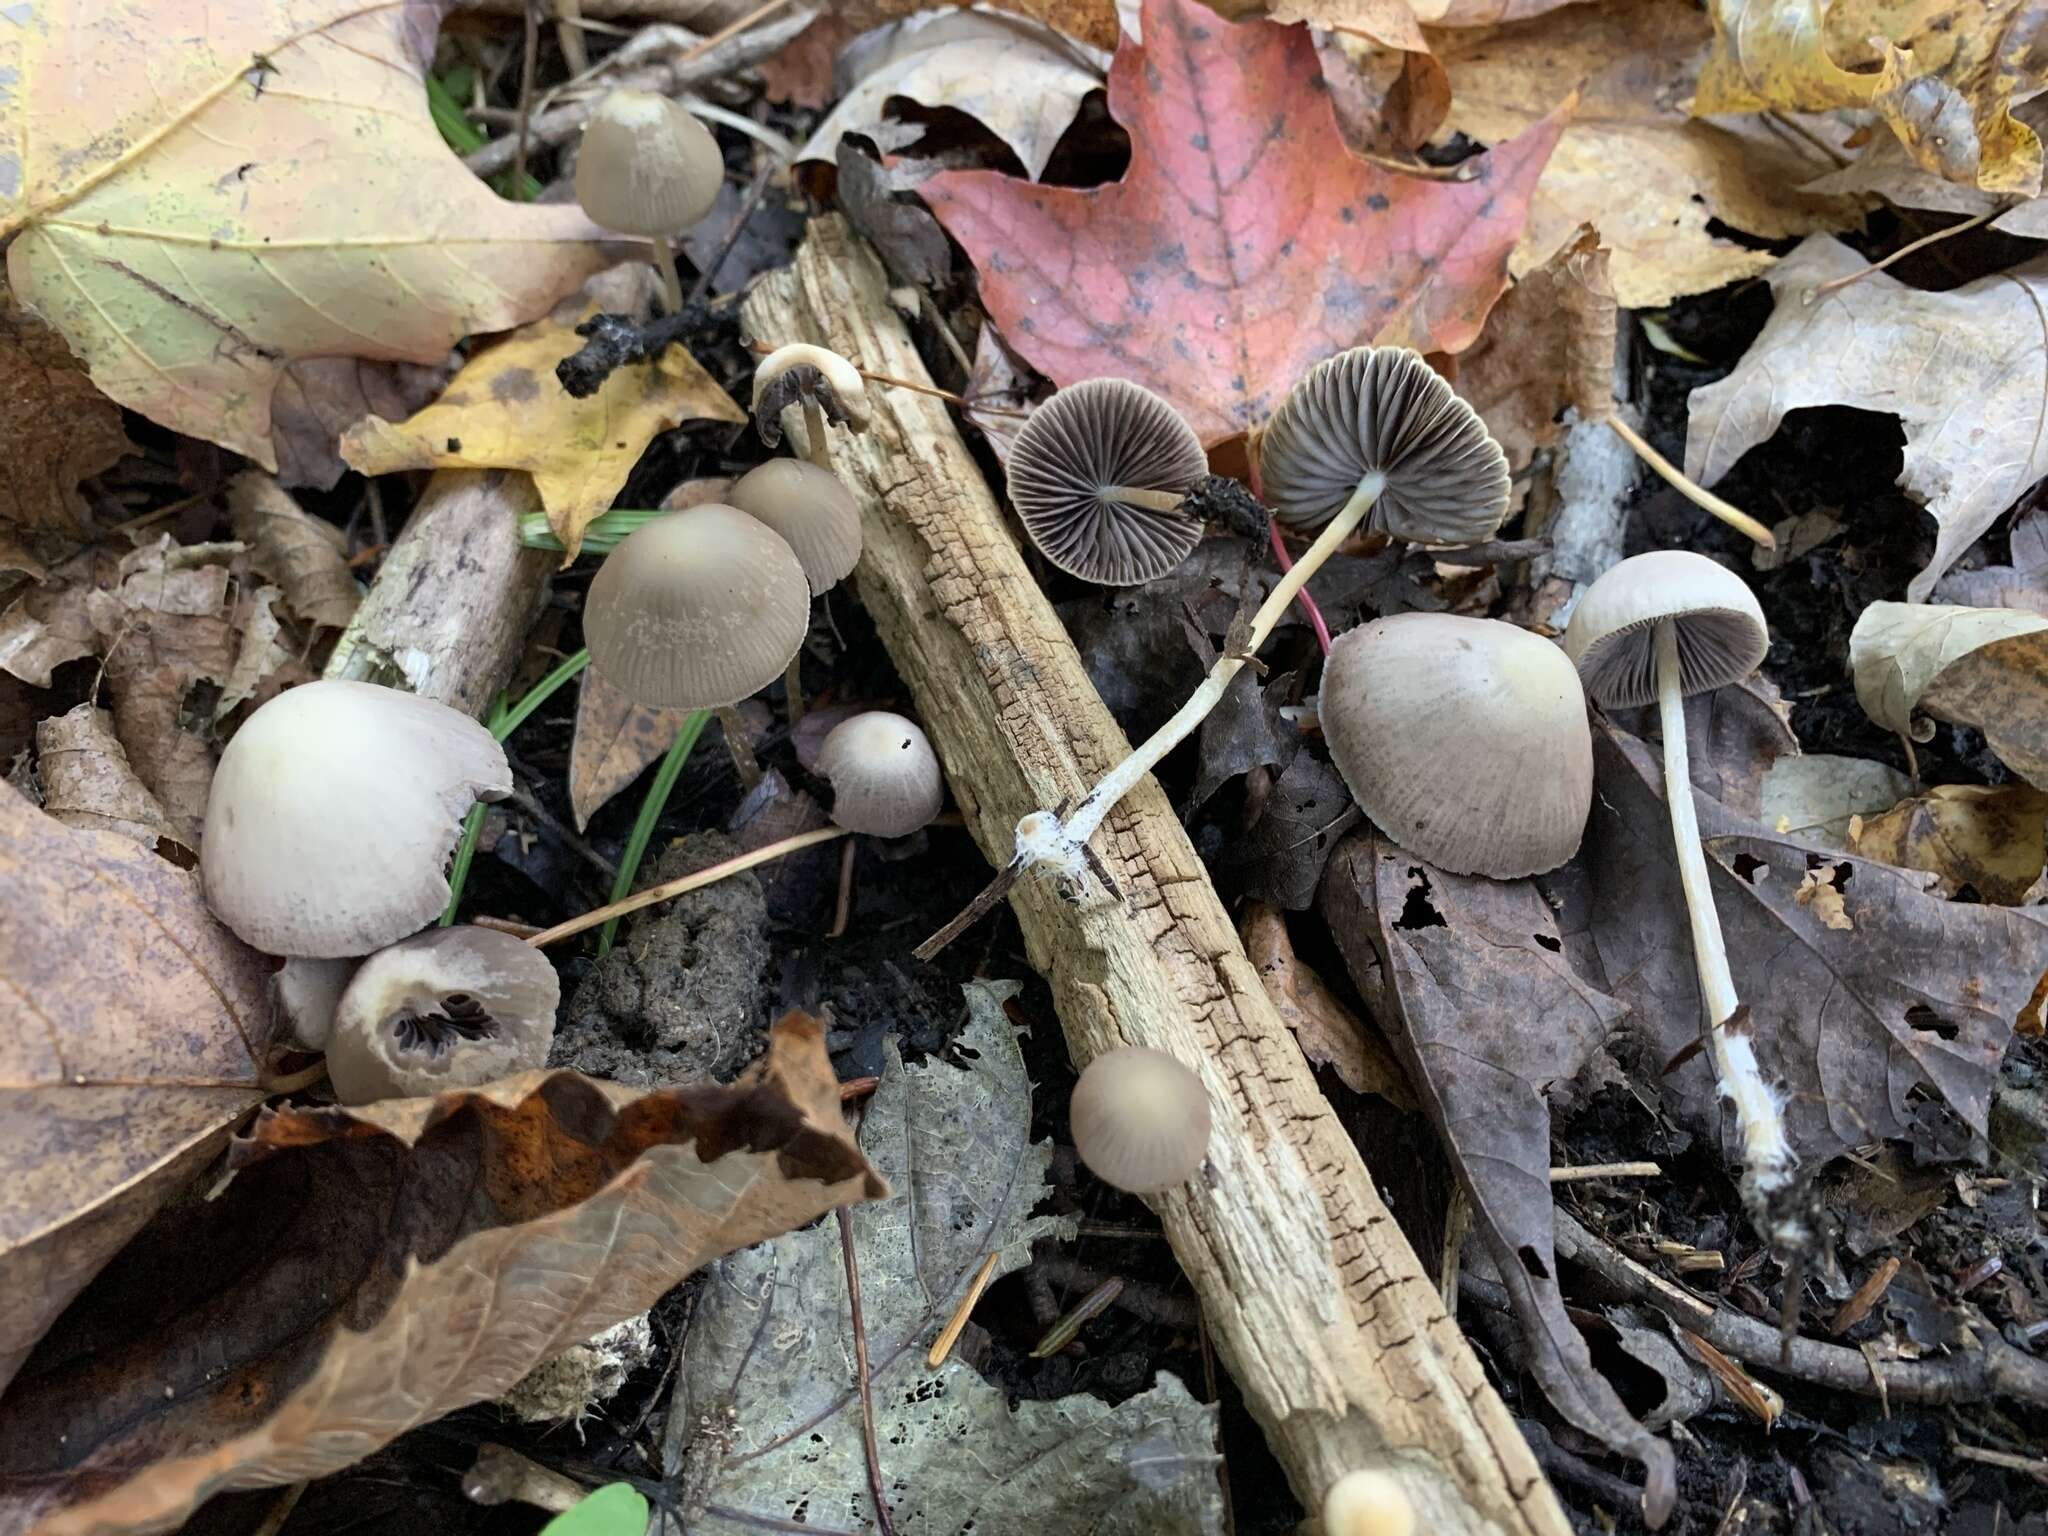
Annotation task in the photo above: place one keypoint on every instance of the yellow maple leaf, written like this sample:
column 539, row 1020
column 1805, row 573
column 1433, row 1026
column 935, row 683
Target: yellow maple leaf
column 506, row 410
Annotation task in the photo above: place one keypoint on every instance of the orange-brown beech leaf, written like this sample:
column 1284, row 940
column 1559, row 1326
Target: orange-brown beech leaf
column 1245, row 243
column 134, row 1032
column 370, row 1269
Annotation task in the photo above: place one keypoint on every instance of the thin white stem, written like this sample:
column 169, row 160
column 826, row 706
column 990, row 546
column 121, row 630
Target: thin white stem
column 1142, row 496
column 1042, row 839
column 671, row 280
column 814, row 435
column 1766, row 1154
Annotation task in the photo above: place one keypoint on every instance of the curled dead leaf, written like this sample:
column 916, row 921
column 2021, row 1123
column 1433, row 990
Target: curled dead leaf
column 1990, row 839
column 1329, row 1034
column 87, row 782
column 56, row 429
column 305, row 555
column 1981, row 667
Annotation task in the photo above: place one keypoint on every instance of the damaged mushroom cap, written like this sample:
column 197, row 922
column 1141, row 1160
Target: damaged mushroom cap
column 800, row 371
column 1085, row 443
column 1367, row 1504
column 696, row 610
column 813, row 511
column 1612, row 634
column 1465, row 740
column 885, row 777
column 1382, row 411
column 1140, row 1120
column 448, row 1008
column 333, row 813
column 647, row 166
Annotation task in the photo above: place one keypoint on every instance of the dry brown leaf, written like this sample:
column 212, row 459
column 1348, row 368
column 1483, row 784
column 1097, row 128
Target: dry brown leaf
column 1387, row 103
column 55, row 427
column 2002, row 690
column 1991, row 839
column 1965, row 372
column 44, row 626
column 801, row 74
column 416, row 1256
column 134, row 1031
column 87, row 782
column 1093, row 22
column 1632, row 164
column 616, row 741
column 305, row 555
column 1329, row 1034
column 1981, row 667
column 319, row 398
column 262, row 654
column 1820, row 893
column 2022, row 584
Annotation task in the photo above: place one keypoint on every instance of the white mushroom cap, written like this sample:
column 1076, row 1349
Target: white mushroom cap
column 885, row 777
column 1367, row 1504
column 1465, row 740
column 333, row 813
column 813, row 511
column 1721, row 633
column 647, row 167
column 1140, row 1119
column 307, row 992
column 799, row 371
column 448, row 1008
column 696, row 610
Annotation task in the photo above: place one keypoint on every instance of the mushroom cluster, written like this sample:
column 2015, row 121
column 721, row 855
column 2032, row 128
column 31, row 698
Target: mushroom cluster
column 647, row 167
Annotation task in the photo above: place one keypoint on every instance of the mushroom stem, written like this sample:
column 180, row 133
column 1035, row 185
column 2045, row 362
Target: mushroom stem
column 814, row 434
column 1044, row 839
column 793, row 687
column 734, row 727
column 671, row 280
column 1767, row 1158
column 1142, row 496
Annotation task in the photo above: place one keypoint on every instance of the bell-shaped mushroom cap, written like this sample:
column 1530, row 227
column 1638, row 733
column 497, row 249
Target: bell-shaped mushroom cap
column 1382, row 411
column 1085, row 441
column 448, row 1008
column 1612, row 633
column 884, row 775
column 333, row 812
column 696, row 610
column 1367, row 1504
column 307, row 992
column 813, row 511
column 1140, row 1119
column 799, row 371
column 1465, row 740
column 647, row 167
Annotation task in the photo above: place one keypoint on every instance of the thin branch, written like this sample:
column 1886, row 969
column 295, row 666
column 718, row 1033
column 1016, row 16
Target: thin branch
column 860, row 1365
column 682, row 886
column 1690, row 489
column 1820, row 291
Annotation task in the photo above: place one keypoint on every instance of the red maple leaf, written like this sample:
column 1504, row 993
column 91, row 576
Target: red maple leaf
column 1245, row 243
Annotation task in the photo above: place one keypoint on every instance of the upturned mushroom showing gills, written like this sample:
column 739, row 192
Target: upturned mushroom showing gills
column 1140, row 1120
column 696, row 610
column 1098, row 475
column 823, row 383
column 1654, row 629
column 647, row 167
column 1465, row 740
column 884, row 775
column 333, row 813
column 448, row 1008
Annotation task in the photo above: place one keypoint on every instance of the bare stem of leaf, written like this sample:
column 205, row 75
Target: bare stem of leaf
column 1820, row 291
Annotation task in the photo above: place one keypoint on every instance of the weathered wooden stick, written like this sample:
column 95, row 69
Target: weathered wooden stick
column 1319, row 1306
column 449, row 611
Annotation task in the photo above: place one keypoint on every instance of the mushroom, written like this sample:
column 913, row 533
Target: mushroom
column 307, row 992
column 333, row 813
column 647, row 167
column 1098, row 475
column 448, row 1008
column 1367, row 1504
column 818, row 518
column 1656, row 628
column 1464, row 739
column 884, row 775
column 696, row 610
column 826, row 385
column 1140, row 1120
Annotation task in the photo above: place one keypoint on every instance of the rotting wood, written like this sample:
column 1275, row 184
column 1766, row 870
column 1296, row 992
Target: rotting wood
column 1317, row 1303
column 449, row 612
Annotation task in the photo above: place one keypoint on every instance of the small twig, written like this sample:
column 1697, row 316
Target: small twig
column 950, row 1334
column 611, row 342
column 506, row 925
column 569, row 35
column 288, row 1500
column 683, row 885
column 1464, row 170
column 883, row 1521
column 1605, row 1171
column 1820, row 291
column 1147, row 1303
column 748, row 206
column 973, row 912
column 1457, row 1227
column 1068, row 1326
column 1690, row 489
column 842, row 911
column 527, row 61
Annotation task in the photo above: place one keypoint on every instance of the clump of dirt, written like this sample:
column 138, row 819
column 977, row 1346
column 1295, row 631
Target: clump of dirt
column 682, row 998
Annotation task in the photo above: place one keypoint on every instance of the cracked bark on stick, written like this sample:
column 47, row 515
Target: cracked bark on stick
column 1320, row 1308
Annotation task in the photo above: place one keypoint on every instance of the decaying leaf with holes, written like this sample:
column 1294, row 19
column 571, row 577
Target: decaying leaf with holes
column 369, row 1269
column 1469, row 977
column 765, row 1424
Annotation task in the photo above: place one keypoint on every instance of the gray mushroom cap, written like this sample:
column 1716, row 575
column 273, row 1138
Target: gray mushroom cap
column 813, row 511
column 647, row 166
column 1721, row 633
column 1140, row 1119
column 1383, row 411
column 1086, row 440
column 333, row 813
column 448, row 1008
column 1465, row 740
column 885, row 777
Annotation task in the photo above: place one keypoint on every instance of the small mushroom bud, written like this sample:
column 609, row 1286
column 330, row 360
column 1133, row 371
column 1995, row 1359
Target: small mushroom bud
column 333, row 813
column 647, row 167
column 307, row 992
column 1140, row 1120
column 448, row 1008
column 1367, row 1504
column 885, row 777
column 826, row 385
column 813, row 511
